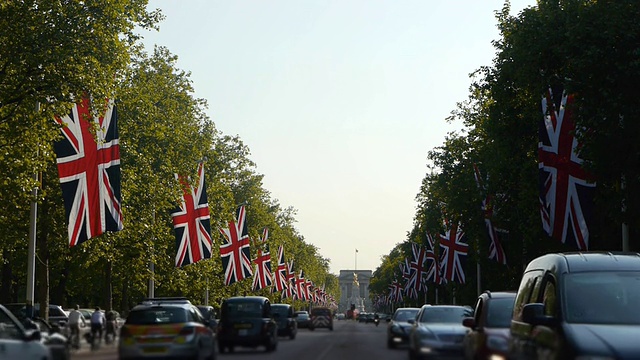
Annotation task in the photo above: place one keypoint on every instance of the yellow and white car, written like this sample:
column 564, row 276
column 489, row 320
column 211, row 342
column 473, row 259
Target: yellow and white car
column 166, row 327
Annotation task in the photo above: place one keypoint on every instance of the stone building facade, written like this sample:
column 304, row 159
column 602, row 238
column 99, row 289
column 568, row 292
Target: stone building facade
column 354, row 288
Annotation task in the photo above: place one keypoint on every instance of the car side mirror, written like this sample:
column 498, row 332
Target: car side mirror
column 534, row 314
column 469, row 322
column 388, row 319
column 411, row 321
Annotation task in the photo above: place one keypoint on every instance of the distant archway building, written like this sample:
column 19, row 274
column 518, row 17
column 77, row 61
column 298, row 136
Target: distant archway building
column 354, row 290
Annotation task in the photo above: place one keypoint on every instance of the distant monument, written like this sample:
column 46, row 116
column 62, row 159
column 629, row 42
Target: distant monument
column 354, row 286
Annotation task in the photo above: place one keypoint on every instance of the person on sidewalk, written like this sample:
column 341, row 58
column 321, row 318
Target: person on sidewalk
column 98, row 322
column 75, row 320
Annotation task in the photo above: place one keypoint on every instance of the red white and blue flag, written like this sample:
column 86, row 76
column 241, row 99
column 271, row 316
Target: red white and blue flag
column 434, row 272
column 235, row 250
column 290, row 290
column 418, row 268
column 280, row 275
column 454, row 254
column 496, row 252
column 395, row 293
column 191, row 222
column 301, row 288
column 262, row 275
column 566, row 195
column 89, row 172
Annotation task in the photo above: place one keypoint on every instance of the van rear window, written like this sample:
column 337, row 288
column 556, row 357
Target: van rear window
column 320, row 312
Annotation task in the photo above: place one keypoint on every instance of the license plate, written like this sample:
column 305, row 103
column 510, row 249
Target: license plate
column 243, row 332
column 155, row 349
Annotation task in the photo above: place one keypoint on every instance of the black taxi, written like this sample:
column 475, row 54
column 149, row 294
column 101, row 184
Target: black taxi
column 247, row 321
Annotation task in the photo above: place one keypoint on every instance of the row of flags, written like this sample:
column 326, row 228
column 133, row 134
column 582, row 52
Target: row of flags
column 89, row 171
column 566, row 203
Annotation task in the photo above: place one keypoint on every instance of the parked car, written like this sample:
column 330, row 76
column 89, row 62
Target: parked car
column 17, row 342
column 302, row 319
column 52, row 336
column 166, row 328
column 56, row 314
column 247, row 321
column 321, row 318
column 578, row 305
column 488, row 337
column 399, row 325
column 209, row 314
column 438, row 331
column 287, row 325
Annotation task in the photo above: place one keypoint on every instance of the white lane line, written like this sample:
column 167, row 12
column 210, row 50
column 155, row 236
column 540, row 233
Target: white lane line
column 325, row 352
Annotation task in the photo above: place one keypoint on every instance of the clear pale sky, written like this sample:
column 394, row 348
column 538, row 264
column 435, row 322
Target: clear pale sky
column 339, row 101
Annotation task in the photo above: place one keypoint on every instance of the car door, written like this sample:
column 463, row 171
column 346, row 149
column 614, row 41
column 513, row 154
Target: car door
column 13, row 342
column 521, row 345
column 472, row 338
column 547, row 339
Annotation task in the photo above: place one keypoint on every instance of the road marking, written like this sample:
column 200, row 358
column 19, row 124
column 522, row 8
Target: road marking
column 325, row 352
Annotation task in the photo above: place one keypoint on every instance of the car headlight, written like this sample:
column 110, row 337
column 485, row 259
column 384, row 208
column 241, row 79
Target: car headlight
column 497, row 343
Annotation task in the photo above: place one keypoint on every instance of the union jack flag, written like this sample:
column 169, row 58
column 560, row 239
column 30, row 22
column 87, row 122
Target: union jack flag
column 301, row 289
column 290, row 290
column 309, row 290
column 395, row 294
column 565, row 193
column 405, row 275
column 417, row 268
column 454, row 254
column 262, row 274
column 280, row 275
column 434, row 272
column 235, row 251
column 89, row 172
column 496, row 252
column 191, row 222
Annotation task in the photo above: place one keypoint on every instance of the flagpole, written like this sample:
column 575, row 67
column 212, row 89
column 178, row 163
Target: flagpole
column 151, row 290
column 31, row 258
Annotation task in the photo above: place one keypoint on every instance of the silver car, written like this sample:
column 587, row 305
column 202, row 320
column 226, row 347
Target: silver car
column 438, row 331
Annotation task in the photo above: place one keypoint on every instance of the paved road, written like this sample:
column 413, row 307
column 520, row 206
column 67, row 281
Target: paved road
column 349, row 340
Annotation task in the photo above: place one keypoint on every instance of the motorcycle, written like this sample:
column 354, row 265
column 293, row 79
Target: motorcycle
column 376, row 321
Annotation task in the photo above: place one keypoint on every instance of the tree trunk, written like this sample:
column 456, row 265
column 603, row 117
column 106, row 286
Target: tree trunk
column 109, row 286
column 6, row 290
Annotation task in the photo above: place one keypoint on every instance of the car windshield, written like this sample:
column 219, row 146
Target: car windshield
column 157, row 316
column 237, row 310
column 587, row 294
column 435, row 314
column 405, row 315
column 500, row 312
column 303, row 316
column 283, row 311
column 320, row 312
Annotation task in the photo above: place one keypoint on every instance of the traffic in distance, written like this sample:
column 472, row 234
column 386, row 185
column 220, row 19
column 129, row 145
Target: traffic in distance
column 568, row 306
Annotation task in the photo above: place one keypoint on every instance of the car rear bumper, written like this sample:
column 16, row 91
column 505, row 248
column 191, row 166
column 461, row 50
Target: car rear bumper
column 153, row 351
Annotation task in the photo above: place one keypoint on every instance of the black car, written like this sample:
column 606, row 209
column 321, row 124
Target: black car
column 247, row 321
column 287, row 324
column 302, row 319
column 578, row 305
column 488, row 335
column 399, row 325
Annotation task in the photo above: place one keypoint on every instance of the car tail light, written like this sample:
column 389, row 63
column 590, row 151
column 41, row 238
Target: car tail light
column 187, row 334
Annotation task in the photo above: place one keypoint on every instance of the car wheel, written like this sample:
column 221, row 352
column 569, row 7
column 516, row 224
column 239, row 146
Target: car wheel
column 331, row 328
column 221, row 347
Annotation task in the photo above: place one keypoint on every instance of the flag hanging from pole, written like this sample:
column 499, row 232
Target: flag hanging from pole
column 89, row 172
column 191, row 222
column 235, row 251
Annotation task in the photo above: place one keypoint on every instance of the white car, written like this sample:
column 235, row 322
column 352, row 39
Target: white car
column 18, row 343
